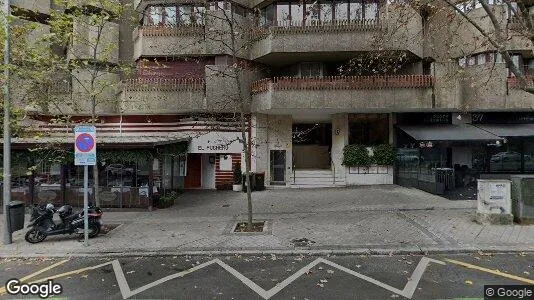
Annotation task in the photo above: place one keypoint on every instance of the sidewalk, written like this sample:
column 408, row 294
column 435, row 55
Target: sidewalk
column 382, row 220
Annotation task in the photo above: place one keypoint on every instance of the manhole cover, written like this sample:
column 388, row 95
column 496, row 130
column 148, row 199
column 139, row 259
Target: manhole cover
column 106, row 228
column 302, row 242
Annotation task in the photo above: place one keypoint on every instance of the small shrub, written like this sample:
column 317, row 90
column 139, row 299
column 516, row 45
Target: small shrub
column 384, row 154
column 356, row 155
column 238, row 176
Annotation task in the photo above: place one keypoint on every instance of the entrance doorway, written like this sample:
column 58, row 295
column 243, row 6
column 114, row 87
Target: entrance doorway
column 193, row 178
column 312, row 144
column 278, row 167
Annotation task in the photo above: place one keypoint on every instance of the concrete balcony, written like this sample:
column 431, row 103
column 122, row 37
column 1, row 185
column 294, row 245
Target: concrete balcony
column 36, row 6
column 153, row 41
column 343, row 94
column 162, row 96
column 315, row 39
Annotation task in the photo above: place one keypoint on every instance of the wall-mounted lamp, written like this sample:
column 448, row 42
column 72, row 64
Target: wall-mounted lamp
column 338, row 131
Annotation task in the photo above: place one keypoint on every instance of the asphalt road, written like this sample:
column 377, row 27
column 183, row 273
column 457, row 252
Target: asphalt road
column 274, row 277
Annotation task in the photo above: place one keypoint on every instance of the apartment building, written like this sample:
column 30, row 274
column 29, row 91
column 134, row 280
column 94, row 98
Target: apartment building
column 314, row 77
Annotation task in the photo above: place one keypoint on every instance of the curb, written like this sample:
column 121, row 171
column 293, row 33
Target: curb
column 311, row 252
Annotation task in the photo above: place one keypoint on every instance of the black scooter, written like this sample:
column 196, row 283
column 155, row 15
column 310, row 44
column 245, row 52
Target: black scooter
column 43, row 225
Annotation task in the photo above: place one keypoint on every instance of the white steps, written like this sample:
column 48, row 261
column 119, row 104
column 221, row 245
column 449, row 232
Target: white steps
column 315, row 179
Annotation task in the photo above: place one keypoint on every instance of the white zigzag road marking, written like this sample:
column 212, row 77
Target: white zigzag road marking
column 126, row 292
column 407, row 292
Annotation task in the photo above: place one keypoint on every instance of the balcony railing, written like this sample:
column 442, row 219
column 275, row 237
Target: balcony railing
column 308, row 26
column 513, row 82
column 343, row 83
column 163, row 84
column 178, row 30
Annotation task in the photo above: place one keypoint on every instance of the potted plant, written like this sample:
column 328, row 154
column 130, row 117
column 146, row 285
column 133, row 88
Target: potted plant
column 238, row 177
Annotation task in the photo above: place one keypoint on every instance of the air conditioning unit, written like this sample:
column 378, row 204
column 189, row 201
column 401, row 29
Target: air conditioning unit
column 523, row 198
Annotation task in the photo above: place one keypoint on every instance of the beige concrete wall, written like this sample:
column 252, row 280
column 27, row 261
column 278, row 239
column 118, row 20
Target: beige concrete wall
column 154, row 100
column 86, row 39
column 184, row 42
column 41, row 6
column 272, row 132
column 391, row 99
column 447, row 87
column 340, row 138
column 80, row 101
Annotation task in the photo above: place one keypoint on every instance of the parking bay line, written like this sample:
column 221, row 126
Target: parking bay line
column 494, row 272
column 30, row 276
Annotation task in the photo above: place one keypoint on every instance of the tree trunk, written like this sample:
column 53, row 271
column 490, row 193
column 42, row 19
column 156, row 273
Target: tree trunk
column 247, row 171
column 96, row 185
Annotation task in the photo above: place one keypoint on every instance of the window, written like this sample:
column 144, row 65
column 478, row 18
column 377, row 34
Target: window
column 155, row 16
column 313, row 11
column 170, row 15
column 311, row 69
column 185, row 13
column 368, row 129
column 297, row 13
column 528, row 156
column 282, row 13
column 268, row 15
column 327, row 9
column 341, row 10
column 371, row 10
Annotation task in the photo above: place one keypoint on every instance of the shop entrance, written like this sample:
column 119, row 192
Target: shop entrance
column 312, row 144
column 193, row 178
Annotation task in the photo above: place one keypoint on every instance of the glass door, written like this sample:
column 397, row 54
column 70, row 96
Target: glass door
column 278, row 167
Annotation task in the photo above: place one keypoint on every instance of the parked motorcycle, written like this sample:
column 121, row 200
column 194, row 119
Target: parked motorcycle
column 42, row 222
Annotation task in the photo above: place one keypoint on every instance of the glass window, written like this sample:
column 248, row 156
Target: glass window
column 313, row 11
column 282, row 13
column 155, row 16
column 506, row 158
column 356, row 10
column 269, row 15
column 185, row 12
column 528, row 156
column 368, row 129
column 198, row 15
column 311, row 69
column 371, row 10
column 341, row 10
column 326, row 10
column 481, row 59
column 170, row 15
column 297, row 13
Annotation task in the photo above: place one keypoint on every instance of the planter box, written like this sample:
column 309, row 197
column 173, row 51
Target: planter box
column 369, row 175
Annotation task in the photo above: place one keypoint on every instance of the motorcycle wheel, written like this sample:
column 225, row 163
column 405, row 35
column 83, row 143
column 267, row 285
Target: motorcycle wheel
column 34, row 236
column 94, row 230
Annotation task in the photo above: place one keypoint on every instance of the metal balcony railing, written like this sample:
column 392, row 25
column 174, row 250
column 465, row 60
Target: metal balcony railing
column 513, row 82
column 167, row 84
column 178, row 30
column 343, row 83
column 309, row 26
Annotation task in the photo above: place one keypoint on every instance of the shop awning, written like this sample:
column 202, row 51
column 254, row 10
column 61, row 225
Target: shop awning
column 128, row 139
column 448, row 132
column 509, row 130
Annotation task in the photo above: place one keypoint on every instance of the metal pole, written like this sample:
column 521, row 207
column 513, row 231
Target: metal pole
column 7, row 133
column 85, row 205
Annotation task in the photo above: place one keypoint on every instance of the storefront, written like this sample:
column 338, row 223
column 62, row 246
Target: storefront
column 444, row 153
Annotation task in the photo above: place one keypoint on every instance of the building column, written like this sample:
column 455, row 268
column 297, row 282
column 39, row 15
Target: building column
column 340, row 138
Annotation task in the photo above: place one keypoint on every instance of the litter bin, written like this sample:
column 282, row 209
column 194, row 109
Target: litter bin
column 259, row 181
column 252, row 182
column 16, row 215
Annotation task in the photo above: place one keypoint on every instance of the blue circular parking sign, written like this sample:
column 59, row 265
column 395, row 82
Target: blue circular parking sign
column 85, row 142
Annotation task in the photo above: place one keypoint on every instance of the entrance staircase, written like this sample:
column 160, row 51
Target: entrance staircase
column 315, row 179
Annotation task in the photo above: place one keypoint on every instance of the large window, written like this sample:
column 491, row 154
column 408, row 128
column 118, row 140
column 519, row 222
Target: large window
column 368, row 129
column 186, row 14
column 296, row 13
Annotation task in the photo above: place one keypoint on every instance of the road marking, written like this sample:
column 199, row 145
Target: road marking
column 494, row 272
column 407, row 292
column 127, row 292
column 23, row 279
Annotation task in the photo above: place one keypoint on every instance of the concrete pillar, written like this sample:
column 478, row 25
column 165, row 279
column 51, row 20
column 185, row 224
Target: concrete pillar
column 260, row 151
column 340, row 138
column 280, row 137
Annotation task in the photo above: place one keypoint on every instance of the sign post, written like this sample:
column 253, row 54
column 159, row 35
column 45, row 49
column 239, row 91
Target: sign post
column 85, row 155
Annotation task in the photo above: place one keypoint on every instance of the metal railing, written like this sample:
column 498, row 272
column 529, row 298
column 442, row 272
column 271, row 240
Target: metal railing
column 342, row 82
column 309, row 26
column 154, row 83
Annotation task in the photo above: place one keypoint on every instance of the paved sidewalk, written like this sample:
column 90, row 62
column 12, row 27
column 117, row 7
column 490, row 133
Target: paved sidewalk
column 378, row 219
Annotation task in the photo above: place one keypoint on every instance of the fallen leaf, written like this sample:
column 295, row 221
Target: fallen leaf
column 330, row 271
column 323, row 281
column 85, row 276
column 320, row 285
column 320, row 268
column 526, row 273
column 130, row 272
column 469, row 282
